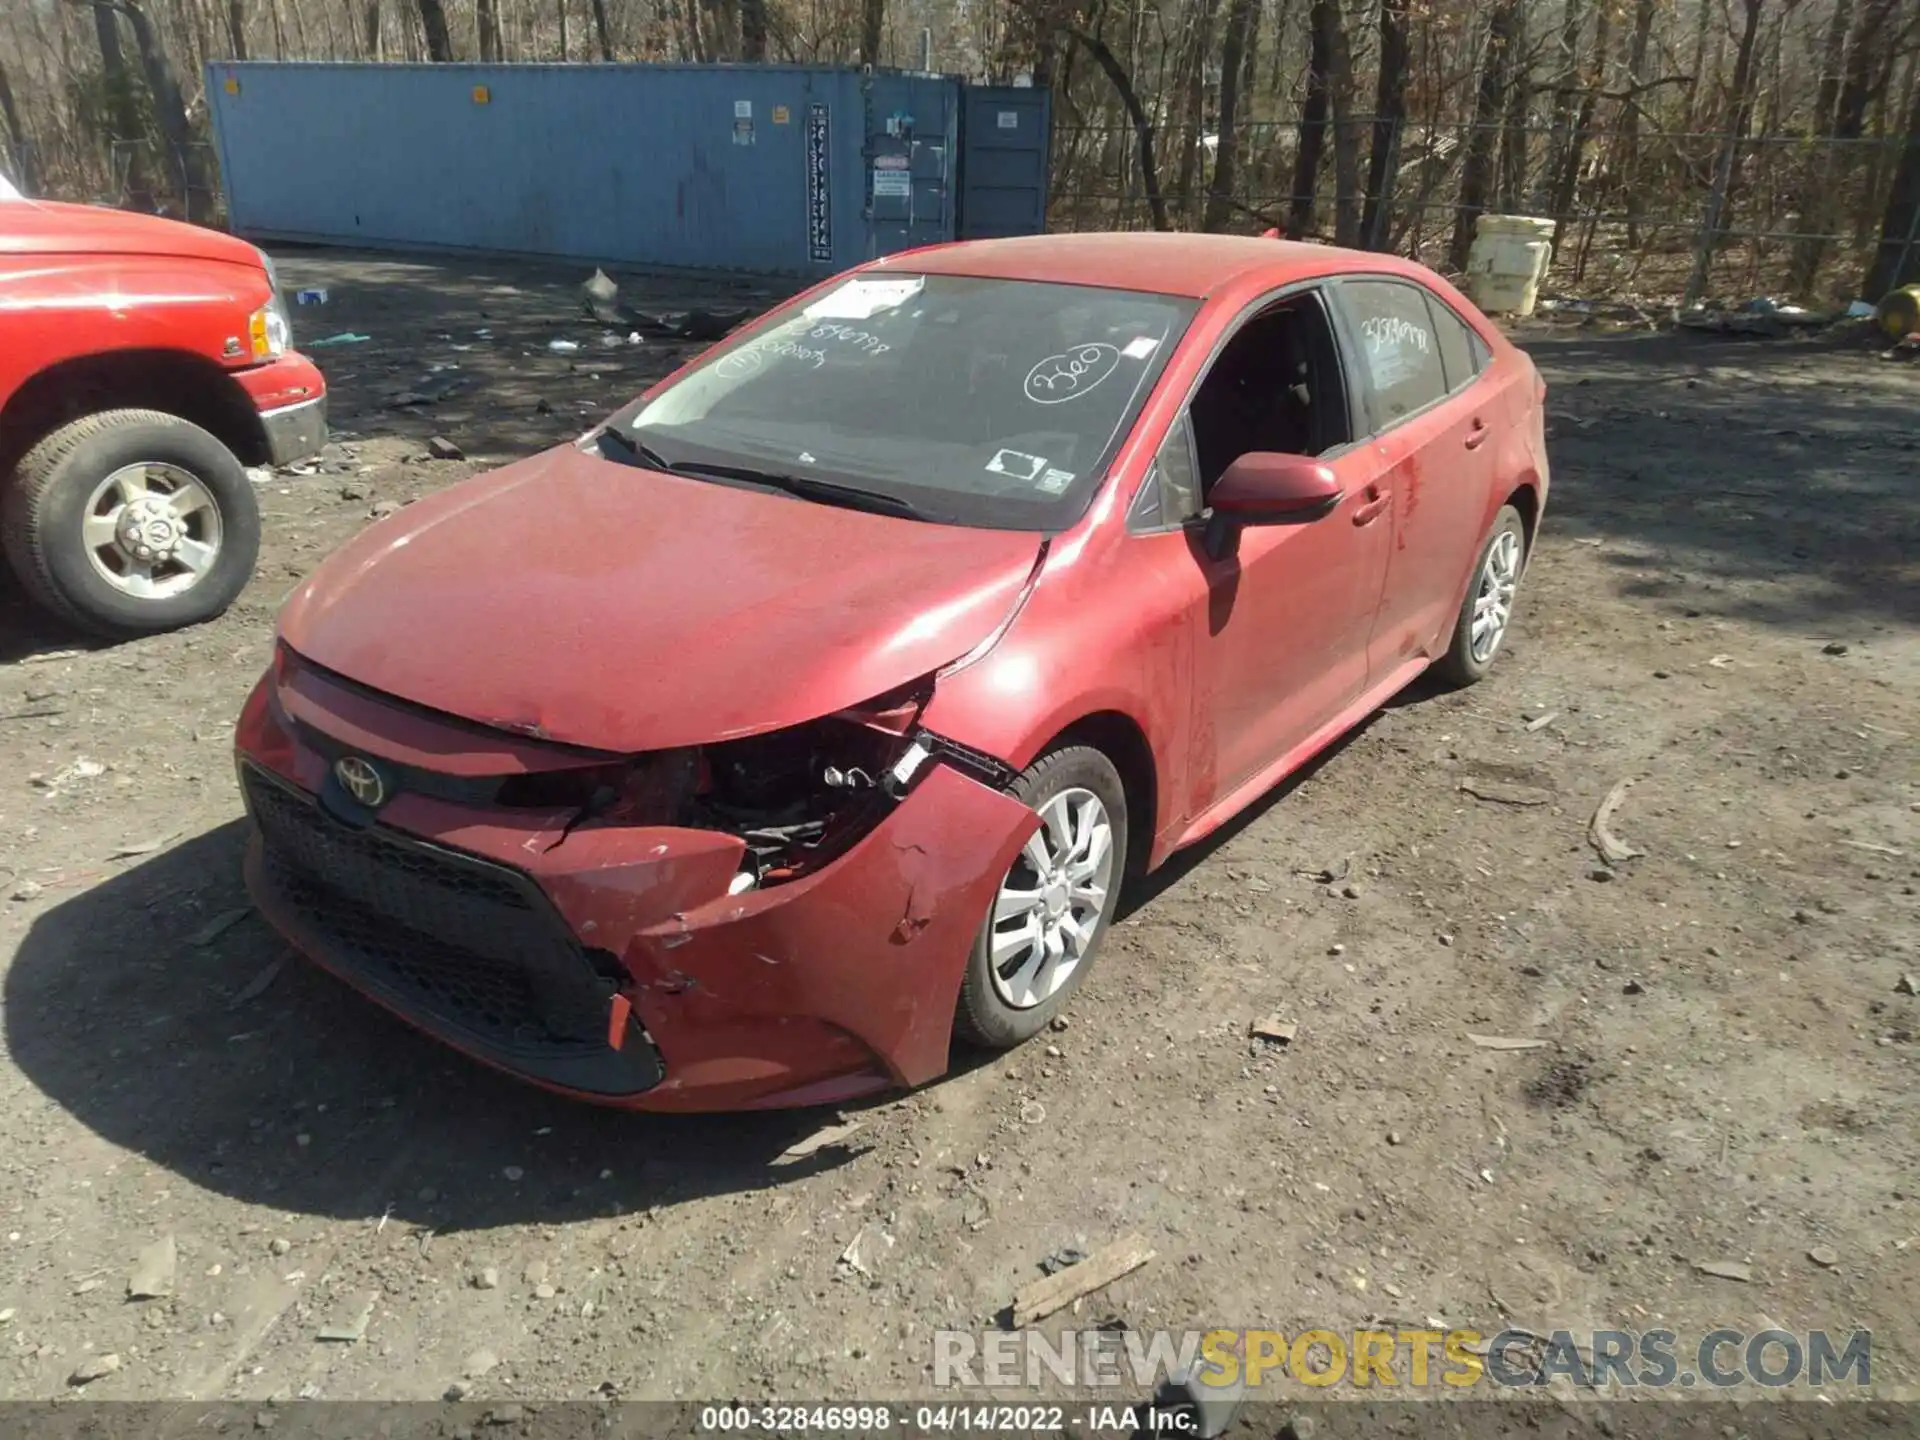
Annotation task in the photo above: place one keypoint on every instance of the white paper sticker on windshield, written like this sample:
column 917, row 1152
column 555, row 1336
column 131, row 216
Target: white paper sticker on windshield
column 1054, row 481
column 1018, row 464
column 862, row 298
column 1140, row 349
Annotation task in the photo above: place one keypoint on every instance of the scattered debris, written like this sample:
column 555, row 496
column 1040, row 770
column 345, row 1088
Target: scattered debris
column 354, row 490
column 1825, row 1256
column 1612, row 848
column 1540, row 722
column 1272, row 1027
column 514, row 1173
column 81, row 769
column 485, row 1278
column 441, row 448
column 153, row 1271
column 1835, row 647
column 218, row 926
column 41, row 714
column 1065, row 1258
column 347, row 337
column 144, row 847
column 1331, row 876
column 1876, row 849
column 257, row 986
column 853, row 1259
column 479, row 1363
column 1633, row 987
column 315, row 296
column 1507, row 1042
column 95, row 1367
column 563, row 347
column 1043, row 1297
column 279, row 1245
column 1725, row 1270
column 1504, row 794
column 28, row 890
column 353, row 1329
column 1907, row 985
column 383, row 508
column 835, row 1134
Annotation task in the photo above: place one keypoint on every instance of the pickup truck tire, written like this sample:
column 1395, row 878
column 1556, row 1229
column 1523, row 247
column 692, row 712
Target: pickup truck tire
column 96, row 468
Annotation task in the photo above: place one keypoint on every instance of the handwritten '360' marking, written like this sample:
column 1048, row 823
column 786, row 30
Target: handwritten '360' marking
column 1059, row 378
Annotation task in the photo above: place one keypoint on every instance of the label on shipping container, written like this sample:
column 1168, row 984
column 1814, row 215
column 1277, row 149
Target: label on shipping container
column 743, row 132
column 892, row 185
column 743, row 109
column 1008, row 120
column 819, row 188
column 780, row 115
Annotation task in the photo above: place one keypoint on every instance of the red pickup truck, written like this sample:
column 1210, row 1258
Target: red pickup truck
column 144, row 365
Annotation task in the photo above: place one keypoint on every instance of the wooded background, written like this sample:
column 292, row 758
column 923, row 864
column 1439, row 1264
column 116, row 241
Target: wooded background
column 1685, row 147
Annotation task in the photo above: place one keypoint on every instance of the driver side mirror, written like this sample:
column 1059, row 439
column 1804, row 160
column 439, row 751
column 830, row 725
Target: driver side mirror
column 1266, row 488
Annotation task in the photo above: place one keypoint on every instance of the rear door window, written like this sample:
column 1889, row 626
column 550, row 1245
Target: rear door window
column 1399, row 361
column 1462, row 353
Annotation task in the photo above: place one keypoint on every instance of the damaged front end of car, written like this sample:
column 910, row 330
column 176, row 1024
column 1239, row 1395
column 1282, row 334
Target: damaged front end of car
column 772, row 919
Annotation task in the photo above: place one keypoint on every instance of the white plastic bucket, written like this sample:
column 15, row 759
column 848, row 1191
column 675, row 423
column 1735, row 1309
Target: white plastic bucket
column 1508, row 262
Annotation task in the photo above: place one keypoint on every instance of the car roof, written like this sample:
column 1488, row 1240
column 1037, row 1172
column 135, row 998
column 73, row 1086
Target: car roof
column 1167, row 263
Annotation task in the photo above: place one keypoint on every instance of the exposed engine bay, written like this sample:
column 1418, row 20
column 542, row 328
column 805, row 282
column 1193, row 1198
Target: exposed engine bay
column 798, row 797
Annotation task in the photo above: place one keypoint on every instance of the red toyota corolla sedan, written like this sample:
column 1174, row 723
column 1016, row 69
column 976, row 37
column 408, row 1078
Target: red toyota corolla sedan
column 814, row 709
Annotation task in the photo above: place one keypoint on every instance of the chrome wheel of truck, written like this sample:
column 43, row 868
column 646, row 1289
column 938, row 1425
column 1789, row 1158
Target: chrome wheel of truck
column 131, row 522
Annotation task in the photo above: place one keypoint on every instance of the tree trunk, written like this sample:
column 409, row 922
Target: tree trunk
column 1389, row 114
column 123, row 105
column 1897, row 260
column 603, row 30
column 1346, row 137
column 1226, row 155
column 1513, row 131
column 1566, row 87
column 372, row 37
column 1322, row 21
column 1142, row 126
column 1643, row 13
column 486, row 26
column 433, row 20
column 1845, row 99
column 1719, row 199
column 560, row 8
column 237, row 28
column 14, row 134
column 1566, row 183
column 1199, row 52
column 753, row 30
column 186, row 164
column 1476, row 172
column 873, row 29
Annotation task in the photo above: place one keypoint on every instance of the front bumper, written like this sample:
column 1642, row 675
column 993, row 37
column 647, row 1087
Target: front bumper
column 290, row 395
column 611, row 963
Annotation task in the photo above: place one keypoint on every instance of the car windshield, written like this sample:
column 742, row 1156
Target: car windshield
column 983, row 402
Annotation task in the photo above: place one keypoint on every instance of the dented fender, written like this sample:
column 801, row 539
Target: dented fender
column 871, row 950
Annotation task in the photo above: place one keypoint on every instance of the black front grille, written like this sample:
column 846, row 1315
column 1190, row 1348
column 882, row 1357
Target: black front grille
column 466, row 948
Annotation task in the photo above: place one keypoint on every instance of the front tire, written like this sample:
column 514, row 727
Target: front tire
column 1487, row 613
column 131, row 522
column 1054, row 905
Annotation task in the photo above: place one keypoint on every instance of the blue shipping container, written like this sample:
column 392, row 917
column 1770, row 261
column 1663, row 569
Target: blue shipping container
column 767, row 169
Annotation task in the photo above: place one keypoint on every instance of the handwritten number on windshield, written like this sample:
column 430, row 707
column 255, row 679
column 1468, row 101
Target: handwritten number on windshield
column 1068, row 376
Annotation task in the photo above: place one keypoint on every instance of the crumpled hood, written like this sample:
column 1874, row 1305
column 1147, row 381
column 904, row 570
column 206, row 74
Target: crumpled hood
column 607, row 606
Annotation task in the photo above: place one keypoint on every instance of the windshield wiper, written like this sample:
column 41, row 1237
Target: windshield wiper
column 827, row 492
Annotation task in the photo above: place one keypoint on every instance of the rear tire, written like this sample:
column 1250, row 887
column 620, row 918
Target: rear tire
column 1061, row 890
column 1491, row 594
column 69, row 569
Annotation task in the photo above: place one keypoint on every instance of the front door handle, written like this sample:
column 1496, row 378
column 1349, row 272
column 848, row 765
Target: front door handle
column 1477, row 433
column 1377, row 502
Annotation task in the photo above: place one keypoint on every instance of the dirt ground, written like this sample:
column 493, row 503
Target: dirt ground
column 1724, row 609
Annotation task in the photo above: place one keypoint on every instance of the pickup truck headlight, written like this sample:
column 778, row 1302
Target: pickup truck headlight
column 270, row 328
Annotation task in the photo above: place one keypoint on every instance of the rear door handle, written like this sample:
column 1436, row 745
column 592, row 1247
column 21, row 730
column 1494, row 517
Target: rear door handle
column 1371, row 511
column 1477, row 434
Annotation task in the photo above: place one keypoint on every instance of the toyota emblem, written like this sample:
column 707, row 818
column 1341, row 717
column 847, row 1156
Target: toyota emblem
column 361, row 780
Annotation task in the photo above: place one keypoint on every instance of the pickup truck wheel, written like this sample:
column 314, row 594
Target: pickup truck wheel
column 131, row 522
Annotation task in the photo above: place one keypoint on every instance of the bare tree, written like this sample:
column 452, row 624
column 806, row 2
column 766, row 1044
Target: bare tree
column 433, row 20
column 603, row 31
column 1322, row 21
column 486, row 26
column 237, row 28
column 1729, row 151
column 1389, row 113
column 873, row 26
column 1226, row 155
column 1896, row 259
column 1476, row 175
